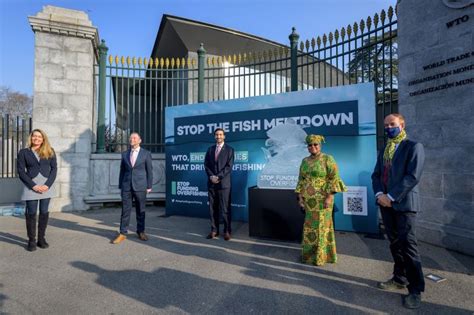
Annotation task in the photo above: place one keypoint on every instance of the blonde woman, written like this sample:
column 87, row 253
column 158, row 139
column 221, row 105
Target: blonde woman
column 37, row 169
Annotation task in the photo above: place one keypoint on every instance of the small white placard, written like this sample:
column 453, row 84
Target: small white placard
column 355, row 200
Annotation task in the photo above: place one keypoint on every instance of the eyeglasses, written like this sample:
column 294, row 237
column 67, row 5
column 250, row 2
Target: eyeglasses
column 313, row 145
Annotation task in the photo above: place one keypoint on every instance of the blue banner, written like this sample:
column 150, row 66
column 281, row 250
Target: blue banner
column 267, row 134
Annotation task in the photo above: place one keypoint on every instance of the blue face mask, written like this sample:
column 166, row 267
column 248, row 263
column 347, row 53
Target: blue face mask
column 392, row 132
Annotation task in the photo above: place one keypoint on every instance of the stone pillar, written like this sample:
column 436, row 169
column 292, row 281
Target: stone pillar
column 436, row 51
column 63, row 106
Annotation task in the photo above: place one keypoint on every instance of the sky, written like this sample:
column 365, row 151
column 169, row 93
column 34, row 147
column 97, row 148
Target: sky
column 129, row 27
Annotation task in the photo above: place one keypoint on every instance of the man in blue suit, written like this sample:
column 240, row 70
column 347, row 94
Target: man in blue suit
column 135, row 181
column 395, row 182
column 218, row 163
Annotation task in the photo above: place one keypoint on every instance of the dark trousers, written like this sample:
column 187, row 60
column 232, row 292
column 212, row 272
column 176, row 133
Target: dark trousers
column 219, row 201
column 401, row 232
column 32, row 206
column 127, row 199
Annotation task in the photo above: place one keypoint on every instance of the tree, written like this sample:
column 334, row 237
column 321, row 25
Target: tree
column 377, row 61
column 15, row 103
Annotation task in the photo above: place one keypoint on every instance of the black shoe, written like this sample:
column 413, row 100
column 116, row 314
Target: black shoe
column 31, row 231
column 42, row 224
column 212, row 235
column 227, row 237
column 390, row 285
column 42, row 243
column 31, row 246
column 412, row 301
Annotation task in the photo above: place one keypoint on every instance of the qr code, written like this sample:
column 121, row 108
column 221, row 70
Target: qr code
column 354, row 204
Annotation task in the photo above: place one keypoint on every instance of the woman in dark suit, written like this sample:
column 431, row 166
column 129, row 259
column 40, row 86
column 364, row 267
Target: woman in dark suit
column 37, row 169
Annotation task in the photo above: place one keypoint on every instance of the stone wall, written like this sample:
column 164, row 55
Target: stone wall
column 436, row 47
column 105, row 170
column 63, row 106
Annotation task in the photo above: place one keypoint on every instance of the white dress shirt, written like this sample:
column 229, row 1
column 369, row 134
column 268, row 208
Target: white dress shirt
column 134, row 155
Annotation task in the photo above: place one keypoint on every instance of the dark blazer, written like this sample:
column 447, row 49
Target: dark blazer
column 28, row 168
column 404, row 176
column 139, row 177
column 221, row 168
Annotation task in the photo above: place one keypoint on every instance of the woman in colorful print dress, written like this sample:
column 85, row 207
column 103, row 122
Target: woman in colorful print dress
column 318, row 182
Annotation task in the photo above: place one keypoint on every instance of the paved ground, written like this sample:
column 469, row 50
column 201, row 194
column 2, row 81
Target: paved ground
column 178, row 271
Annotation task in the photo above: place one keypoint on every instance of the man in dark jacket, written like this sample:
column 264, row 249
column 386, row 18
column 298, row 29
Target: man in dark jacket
column 135, row 181
column 395, row 182
column 218, row 164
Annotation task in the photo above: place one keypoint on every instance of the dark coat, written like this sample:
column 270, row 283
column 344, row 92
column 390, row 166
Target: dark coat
column 221, row 168
column 28, row 167
column 404, row 176
column 140, row 176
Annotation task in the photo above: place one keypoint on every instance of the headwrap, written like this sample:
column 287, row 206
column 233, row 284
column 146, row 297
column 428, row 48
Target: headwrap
column 310, row 139
column 390, row 148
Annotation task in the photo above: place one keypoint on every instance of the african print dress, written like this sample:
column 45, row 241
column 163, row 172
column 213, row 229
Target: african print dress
column 318, row 177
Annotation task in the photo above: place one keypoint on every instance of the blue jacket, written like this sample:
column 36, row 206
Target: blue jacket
column 404, row 176
column 221, row 168
column 28, row 168
column 140, row 176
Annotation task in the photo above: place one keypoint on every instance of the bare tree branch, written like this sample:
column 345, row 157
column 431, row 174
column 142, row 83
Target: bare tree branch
column 15, row 103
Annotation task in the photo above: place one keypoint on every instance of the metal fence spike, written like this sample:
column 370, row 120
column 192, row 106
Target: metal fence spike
column 390, row 13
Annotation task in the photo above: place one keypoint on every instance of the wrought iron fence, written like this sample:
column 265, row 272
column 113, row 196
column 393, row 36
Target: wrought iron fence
column 363, row 52
column 14, row 132
column 133, row 93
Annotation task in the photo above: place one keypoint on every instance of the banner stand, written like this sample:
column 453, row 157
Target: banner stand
column 275, row 214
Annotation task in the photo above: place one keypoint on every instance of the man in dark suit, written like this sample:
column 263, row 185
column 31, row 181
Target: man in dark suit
column 218, row 164
column 395, row 182
column 135, row 181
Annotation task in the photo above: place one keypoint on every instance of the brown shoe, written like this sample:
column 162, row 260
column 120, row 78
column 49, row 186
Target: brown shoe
column 212, row 235
column 390, row 285
column 227, row 236
column 119, row 239
column 142, row 236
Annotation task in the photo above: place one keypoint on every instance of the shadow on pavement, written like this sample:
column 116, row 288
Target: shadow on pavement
column 13, row 239
column 3, row 297
column 265, row 260
column 161, row 287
